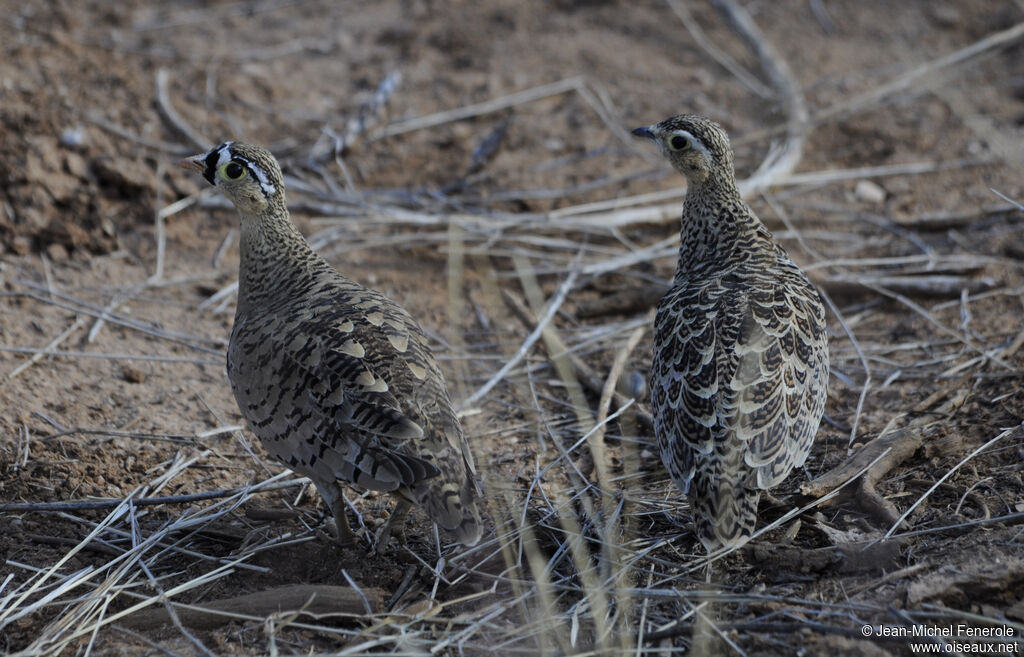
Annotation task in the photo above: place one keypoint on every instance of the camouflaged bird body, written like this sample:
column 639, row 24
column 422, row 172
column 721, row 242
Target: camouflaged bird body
column 740, row 364
column 337, row 380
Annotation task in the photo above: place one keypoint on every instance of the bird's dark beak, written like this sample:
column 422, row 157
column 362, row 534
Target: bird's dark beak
column 645, row 131
column 203, row 163
column 194, row 163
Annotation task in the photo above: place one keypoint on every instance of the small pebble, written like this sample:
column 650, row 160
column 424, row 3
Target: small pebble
column 869, row 192
column 57, row 252
column 132, row 374
column 72, row 137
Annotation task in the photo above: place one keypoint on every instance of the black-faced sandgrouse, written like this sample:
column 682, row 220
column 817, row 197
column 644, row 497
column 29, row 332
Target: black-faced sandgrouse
column 337, row 380
column 740, row 364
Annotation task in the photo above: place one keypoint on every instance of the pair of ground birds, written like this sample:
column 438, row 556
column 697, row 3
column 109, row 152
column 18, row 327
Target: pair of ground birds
column 339, row 383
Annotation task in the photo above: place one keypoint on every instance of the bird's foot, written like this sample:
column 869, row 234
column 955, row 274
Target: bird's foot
column 386, row 533
column 340, row 533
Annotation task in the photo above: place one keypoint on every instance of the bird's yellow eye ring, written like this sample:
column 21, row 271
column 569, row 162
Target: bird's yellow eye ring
column 678, row 143
column 232, row 171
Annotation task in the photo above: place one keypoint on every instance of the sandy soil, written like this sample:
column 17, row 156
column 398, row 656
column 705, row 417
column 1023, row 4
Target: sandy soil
column 451, row 217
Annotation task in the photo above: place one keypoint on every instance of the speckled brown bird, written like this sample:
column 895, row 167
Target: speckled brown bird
column 337, row 380
column 740, row 364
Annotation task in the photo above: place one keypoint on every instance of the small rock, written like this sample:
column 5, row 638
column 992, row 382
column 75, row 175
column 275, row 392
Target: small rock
column 72, row 137
column 869, row 192
column 57, row 252
column 554, row 144
column 132, row 374
column 75, row 165
column 21, row 245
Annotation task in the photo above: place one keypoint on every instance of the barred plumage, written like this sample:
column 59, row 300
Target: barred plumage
column 740, row 366
column 337, row 380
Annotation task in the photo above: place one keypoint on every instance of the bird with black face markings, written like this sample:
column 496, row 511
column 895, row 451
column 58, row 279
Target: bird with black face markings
column 337, row 380
column 740, row 367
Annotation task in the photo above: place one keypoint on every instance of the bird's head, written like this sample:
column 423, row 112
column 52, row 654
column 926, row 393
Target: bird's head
column 248, row 175
column 697, row 147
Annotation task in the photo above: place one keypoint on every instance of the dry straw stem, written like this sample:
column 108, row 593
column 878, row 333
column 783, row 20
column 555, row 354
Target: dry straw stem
column 727, row 61
column 587, row 375
column 50, row 348
column 922, row 75
column 486, row 107
column 83, row 505
column 916, row 78
column 171, row 116
column 72, row 303
column 84, row 615
column 632, row 210
column 556, row 348
column 552, row 307
column 315, row 600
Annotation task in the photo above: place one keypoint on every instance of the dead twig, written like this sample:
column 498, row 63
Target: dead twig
column 783, row 160
column 477, row 109
column 83, row 505
column 586, row 374
column 48, row 349
column 556, row 302
column 332, row 143
column 315, row 600
column 171, row 115
column 918, row 501
column 635, row 300
column 725, row 59
column 889, row 450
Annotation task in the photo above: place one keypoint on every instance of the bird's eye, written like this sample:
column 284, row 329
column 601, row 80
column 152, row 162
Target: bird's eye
column 678, row 143
column 232, row 171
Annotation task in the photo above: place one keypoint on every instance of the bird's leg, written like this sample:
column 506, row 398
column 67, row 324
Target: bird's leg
column 335, row 501
column 345, row 535
column 396, row 524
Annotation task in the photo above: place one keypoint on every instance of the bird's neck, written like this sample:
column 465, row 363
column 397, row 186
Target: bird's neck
column 275, row 257
column 715, row 223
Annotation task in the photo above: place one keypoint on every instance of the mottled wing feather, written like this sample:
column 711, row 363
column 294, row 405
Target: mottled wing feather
column 449, row 498
column 685, row 378
column 327, row 417
column 396, row 352
column 738, row 387
column 783, row 358
column 694, row 328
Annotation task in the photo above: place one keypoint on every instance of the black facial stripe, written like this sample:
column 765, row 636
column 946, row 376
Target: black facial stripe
column 211, row 163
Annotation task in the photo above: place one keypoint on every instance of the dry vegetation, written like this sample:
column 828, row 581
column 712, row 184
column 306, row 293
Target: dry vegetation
column 473, row 161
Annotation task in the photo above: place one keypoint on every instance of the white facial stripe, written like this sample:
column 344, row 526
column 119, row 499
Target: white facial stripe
column 268, row 188
column 695, row 143
column 225, row 156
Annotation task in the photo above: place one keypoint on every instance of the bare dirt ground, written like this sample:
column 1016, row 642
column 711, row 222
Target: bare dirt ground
column 470, row 206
